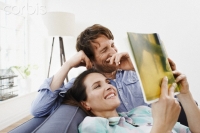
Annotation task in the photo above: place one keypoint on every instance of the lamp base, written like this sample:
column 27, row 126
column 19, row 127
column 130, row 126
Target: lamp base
column 62, row 55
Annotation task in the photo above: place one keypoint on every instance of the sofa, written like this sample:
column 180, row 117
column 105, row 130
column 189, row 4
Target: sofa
column 65, row 119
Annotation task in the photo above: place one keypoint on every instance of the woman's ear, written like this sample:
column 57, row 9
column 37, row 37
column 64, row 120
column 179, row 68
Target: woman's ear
column 85, row 105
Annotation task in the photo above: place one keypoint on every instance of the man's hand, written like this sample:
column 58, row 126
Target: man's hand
column 79, row 59
column 166, row 111
column 122, row 60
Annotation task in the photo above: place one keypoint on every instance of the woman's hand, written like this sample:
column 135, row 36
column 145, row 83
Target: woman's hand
column 165, row 111
column 180, row 78
column 185, row 97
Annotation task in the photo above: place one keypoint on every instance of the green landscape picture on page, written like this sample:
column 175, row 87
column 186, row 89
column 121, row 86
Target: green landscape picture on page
column 151, row 64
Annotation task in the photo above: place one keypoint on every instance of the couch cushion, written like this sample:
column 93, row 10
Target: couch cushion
column 64, row 120
column 28, row 126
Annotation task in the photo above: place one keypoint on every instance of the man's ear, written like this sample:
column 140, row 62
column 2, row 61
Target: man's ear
column 93, row 66
column 85, row 105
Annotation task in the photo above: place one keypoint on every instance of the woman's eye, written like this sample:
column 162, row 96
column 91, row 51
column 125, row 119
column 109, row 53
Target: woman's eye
column 108, row 82
column 97, row 86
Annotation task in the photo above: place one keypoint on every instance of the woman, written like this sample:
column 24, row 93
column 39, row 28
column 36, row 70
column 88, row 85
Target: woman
column 97, row 97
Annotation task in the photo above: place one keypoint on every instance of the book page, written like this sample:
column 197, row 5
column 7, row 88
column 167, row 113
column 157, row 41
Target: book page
column 151, row 64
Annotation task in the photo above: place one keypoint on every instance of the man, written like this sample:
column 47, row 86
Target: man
column 96, row 49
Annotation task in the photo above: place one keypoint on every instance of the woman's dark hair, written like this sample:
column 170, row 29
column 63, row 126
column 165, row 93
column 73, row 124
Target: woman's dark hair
column 77, row 92
column 88, row 36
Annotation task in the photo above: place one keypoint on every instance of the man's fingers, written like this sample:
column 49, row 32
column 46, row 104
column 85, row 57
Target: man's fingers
column 117, row 59
column 88, row 63
column 171, row 89
column 164, row 87
column 112, row 59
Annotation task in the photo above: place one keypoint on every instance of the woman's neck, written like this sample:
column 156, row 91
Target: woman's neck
column 106, row 114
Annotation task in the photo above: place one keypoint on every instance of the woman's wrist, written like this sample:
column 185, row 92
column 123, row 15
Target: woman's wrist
column 184, row 96
column 160, row 129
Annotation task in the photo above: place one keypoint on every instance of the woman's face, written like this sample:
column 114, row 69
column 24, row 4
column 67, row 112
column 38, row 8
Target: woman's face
column 101, row 95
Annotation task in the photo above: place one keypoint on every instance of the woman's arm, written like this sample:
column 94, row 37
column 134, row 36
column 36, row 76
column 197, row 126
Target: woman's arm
column 165, row 112
column 185, row 97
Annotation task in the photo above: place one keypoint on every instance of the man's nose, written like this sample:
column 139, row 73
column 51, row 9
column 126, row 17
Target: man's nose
column 112, row 51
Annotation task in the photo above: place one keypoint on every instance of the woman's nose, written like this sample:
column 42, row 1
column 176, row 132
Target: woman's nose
column 108, row 87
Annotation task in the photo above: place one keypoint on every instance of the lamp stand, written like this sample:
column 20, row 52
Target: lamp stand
column 62, row 55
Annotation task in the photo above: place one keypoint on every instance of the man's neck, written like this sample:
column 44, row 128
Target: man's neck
column 111, row 75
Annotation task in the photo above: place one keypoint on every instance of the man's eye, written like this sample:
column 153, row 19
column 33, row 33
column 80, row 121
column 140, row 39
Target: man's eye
column 103, row 51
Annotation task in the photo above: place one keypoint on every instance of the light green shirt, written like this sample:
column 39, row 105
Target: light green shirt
column 140, row 117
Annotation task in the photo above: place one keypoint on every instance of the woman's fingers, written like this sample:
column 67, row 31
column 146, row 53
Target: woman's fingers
column 172, row 64
column 179, row 76
column 164, row 87
column 171, row 90
column 176, row 73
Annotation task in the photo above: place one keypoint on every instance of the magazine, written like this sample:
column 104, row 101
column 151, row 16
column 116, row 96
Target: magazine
column 151, row 64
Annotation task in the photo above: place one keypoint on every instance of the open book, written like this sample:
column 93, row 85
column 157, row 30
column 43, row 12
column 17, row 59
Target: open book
column 151, row 64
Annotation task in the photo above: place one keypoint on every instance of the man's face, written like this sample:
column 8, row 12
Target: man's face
column 103, row 49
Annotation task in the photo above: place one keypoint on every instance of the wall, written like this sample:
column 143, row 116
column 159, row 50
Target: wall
column 177, row 23
column 14, row 109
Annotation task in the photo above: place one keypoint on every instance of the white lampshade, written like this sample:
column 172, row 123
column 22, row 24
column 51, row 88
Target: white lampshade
column 59, row 23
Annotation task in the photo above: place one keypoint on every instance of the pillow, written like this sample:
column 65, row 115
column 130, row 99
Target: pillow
column 64, row 120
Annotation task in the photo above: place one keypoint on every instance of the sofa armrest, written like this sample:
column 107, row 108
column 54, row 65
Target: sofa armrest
column 28, row 126
column 64, row 120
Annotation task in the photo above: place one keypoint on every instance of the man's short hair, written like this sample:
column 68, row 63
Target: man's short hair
column 88, row 36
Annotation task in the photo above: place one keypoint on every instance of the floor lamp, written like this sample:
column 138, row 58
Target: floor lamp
column 59, row 24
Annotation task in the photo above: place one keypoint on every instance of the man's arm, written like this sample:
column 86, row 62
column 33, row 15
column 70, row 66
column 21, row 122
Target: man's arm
column 47, row 101
column 49, row 97
column 79, row 59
